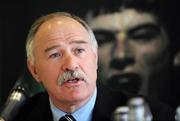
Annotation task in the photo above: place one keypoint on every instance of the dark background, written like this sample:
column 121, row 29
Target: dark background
column 15, row 20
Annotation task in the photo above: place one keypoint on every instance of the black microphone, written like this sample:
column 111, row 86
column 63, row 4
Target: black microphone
column 24, row 88
column 15, row 101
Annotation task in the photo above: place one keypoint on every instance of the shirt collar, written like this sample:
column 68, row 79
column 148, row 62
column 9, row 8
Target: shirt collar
column 82, row 114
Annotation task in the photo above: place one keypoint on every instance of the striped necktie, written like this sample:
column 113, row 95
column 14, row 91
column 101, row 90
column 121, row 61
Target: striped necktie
column 67, row 117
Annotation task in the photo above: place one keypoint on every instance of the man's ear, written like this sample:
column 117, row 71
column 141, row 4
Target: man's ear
column 32, row 68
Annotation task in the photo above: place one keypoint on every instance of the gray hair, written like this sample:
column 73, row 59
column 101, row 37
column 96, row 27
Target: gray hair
column 36, row 25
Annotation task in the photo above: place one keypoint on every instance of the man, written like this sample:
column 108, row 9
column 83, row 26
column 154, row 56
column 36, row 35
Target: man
column 134, row 47
column 62, row 55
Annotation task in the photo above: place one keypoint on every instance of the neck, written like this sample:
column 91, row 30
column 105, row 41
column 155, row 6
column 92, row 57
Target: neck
column 70, row 106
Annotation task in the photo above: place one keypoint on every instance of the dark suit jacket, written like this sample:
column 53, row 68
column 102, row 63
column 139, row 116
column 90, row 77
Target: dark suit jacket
column 38, row 107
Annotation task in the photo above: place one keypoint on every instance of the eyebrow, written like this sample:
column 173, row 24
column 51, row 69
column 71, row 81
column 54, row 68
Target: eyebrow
column 51, row 48
column 72, row 42
column 78, row 42
column 146, row 25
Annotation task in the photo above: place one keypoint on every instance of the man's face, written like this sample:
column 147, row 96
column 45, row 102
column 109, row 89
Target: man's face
column 63, row 45
column 131, row 47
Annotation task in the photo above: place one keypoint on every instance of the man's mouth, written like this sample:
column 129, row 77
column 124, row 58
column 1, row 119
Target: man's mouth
column 130, row 82
column 71, row 78
column 73, row 82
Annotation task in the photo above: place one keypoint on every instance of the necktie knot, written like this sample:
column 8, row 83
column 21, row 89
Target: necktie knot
column 67, row 117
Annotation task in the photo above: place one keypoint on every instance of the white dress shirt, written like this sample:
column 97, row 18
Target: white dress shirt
column 82, row 114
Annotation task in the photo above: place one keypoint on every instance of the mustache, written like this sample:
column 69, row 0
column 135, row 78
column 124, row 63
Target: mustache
column 70, row 75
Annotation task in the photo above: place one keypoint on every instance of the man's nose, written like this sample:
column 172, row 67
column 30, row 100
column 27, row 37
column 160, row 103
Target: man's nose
column 122, row 54
column 69, row 63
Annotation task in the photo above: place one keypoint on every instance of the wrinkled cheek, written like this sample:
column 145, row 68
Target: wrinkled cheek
column 49, row 81
column 50, row 85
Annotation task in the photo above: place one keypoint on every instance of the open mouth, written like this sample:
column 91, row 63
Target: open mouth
column 74, row 80
column 130, row 82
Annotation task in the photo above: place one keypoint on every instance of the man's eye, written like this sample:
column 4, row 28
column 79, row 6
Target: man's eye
column 79, row 50
column 55, row 55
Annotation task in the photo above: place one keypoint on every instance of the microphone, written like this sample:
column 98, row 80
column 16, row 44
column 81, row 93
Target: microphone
column 24, row 88
column 136, row 110
column 139, row 110
column 15, row 101
column 121, row 113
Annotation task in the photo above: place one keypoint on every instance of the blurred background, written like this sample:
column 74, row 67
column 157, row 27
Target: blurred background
column 17, row 16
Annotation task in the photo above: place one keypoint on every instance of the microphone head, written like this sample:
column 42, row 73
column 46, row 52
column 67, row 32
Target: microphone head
column 139, row 110
column 1, row 119
column 13, row 104
column 121, row 113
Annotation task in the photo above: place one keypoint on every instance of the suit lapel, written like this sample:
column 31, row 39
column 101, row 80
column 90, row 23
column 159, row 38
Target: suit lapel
column 106, row 103
column 42, row 109
column 103, row 106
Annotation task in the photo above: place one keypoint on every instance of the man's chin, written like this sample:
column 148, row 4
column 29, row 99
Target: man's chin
column 129, row 82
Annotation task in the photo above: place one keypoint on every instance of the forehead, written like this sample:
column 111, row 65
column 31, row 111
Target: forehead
column 59, row 27
column 122, row 20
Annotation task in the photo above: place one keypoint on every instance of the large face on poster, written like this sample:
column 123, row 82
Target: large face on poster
column 132, row 46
